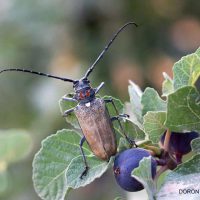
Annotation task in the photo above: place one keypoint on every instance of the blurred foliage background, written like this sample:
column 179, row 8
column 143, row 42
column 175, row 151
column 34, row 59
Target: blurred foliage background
column 64, row 38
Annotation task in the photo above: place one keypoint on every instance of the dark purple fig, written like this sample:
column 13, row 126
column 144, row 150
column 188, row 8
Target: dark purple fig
column 124, row 164
column 179, row 143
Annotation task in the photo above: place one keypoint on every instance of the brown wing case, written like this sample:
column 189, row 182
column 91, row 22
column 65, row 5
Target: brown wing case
column 97, row 127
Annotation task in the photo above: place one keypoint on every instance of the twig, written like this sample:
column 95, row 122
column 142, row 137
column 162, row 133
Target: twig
column 166, row 141
column 160, row 171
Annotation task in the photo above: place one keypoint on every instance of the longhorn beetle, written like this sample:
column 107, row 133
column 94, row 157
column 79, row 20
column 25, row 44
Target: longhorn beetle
column 91, row 112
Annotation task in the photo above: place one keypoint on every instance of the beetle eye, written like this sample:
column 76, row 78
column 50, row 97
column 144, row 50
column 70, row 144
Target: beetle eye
column 87, row 93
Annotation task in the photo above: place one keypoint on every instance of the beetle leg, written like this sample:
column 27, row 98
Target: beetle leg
column 99, row 87
column 131, row 142
column 69, row 99
column 83, row 139
column 84, row 173
column 119, row 116
column 123, row 116
column 67, row 112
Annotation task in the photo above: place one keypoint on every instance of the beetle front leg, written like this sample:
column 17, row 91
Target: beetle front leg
column 131, row 142
column 67, row 112
column 69, row 99
column 84, row 173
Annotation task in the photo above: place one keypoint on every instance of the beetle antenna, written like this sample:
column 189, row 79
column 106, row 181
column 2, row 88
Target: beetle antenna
column 38, row 73
column 107, row 47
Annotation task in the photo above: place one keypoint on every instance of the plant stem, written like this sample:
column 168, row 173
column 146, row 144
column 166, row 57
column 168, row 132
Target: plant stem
column 160, row 171
column 166, row 141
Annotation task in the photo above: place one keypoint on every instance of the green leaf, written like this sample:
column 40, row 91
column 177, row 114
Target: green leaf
column 3, row 181
column 58, row 165
column 97, row 168
column 195, row 144
column 135, row 100
column 133, row 131
column 112, row 112
column 66, row 105
column 14, row 145
column 119, row 198
column 197, row 84
column 183, row 112
column 189, row 167
column 151, row 101
column 52, row 161
column 143, row 143
column 185, row 176
column 167, row 85
column 187, row 70
column 119, row 105
column 123, row 144
column 161, row 179
column 154, row 125
column 143, row 174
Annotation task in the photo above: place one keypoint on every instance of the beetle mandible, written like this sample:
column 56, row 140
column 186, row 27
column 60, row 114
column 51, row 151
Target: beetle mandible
column 91, row 112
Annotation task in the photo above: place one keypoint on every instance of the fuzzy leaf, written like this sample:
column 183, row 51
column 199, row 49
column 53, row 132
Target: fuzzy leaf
column 123, row 145
column 135, row 100
column 119, row 198
column 52, row 161
column 3, row 181
column 130, row 129
column 66, row 105
column 185, row 176
column 119, row 105
column 133, row 131
column 195, row 144
column 97, row 168
column 167, row 85
column 183, row 112
column 187, row 70
column 14, row 145
column 112, row 112
column 154, row 125
column 197, row 84
column 143, row 174
column 161, row 179
column 151, row 101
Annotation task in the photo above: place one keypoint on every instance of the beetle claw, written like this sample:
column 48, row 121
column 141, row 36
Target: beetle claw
column 65, row 114
column 131, row 142
column 126, row 115
column 123, row 116
column 84, row 173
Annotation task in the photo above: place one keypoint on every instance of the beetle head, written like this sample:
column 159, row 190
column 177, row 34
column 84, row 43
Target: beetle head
column 84, row 92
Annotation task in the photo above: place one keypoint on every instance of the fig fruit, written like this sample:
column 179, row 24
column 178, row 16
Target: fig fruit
column 179, row 143
column 124, row 164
